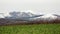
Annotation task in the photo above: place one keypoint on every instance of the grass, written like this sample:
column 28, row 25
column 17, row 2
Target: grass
column 31, row 29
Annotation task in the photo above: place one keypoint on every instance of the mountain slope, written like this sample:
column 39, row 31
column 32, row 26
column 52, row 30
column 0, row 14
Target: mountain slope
column 46, row 17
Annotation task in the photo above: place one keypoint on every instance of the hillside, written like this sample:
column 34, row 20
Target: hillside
column 29, row 18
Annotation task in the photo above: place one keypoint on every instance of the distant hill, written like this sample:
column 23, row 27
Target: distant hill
column 32, row 19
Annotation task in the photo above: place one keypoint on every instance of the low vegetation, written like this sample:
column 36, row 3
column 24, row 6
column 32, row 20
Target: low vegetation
column 31, row 29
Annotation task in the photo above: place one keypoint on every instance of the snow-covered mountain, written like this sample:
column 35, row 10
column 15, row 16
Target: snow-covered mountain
column 30, row 16
column 49, row 17
column 21, row 15
column 45, row 17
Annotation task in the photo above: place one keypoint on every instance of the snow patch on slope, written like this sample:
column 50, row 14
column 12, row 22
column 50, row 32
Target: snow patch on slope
column 45, row 17
column 51, row 16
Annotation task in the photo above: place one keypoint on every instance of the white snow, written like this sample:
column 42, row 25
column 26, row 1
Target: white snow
column 49, row 17
column 46, row 17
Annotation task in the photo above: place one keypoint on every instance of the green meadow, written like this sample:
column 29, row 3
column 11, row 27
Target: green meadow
column 31, row 29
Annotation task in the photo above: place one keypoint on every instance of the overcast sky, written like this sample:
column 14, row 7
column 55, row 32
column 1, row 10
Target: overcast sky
column 36, row 6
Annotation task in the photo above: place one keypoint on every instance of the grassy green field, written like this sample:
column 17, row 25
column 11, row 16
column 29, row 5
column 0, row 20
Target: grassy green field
column 31, row 29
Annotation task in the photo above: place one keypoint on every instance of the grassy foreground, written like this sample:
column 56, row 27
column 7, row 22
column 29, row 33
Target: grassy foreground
column 31, row 29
